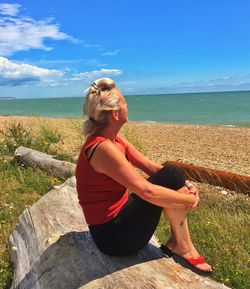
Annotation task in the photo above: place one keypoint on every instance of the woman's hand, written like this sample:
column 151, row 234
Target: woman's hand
column 192, row 189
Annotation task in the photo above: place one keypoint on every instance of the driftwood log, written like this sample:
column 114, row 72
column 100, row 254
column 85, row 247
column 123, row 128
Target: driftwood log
column 33, row 158
column 233, row 182
column 51, row 248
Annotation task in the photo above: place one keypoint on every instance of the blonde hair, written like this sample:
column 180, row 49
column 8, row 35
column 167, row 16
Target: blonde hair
column 100, row 100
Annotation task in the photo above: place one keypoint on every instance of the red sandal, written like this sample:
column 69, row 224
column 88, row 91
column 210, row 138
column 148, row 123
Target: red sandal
column 189, row 263
column 196, row 261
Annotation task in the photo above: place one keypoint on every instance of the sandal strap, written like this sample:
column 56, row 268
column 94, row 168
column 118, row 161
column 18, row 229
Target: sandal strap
column 196, row 261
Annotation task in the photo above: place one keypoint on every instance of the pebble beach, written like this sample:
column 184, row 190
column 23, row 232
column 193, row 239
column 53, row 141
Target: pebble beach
column 225, row 148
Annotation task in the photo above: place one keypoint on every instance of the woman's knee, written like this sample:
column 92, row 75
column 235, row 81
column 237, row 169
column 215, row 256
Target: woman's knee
column 170, row 177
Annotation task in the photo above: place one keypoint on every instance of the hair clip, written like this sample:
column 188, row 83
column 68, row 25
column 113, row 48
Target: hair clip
column 94, row 86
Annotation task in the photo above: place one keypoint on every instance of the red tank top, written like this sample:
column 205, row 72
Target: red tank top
column 100, row 196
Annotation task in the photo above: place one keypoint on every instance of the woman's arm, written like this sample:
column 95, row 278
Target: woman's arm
column 139, row 160
column 109, row 160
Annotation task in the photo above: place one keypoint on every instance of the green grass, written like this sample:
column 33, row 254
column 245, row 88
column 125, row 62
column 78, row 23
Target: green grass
column 220, row 230
column 20, row 187
column 219, row 227
column 17, row 135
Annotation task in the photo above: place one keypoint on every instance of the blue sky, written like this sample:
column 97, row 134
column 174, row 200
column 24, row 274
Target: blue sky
column 57, row 48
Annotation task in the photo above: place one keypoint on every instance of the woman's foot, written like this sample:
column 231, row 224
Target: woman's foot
column 190, row 254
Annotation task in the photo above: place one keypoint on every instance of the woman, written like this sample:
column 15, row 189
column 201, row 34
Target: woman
column 122, row 223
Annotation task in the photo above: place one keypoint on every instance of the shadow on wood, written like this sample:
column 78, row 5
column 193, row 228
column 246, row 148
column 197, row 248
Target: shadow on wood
column 51, row 248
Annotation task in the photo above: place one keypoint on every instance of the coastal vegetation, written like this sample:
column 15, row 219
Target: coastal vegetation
column 219, row 228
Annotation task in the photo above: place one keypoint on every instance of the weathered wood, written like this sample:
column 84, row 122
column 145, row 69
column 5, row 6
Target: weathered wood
column 227, row 180
column 45, row 162
column 51, row 248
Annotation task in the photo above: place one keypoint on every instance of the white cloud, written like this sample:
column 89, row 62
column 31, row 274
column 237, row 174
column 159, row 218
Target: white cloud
column 18, row 74
column 87, row 45
column 224, row 83
column 14, row 74
column 9, row 9
column 227, row 77
column 95, row 62
column 18, row 32
column 53, row 62
column 111, row 53
column 96, row 73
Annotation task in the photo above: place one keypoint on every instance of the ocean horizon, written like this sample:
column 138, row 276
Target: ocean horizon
column 214, row 108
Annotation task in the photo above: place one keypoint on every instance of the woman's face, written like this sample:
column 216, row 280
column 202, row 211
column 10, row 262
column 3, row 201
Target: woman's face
column 123, row 112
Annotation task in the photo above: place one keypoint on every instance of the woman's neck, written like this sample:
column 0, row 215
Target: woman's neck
column 109, row 133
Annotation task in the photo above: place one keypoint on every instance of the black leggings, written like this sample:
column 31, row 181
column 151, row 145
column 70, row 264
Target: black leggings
column 136, row 222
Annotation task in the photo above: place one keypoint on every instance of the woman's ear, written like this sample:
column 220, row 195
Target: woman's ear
column 115, row 114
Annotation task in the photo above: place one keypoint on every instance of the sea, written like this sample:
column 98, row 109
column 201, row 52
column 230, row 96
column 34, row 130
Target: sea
column 213, row 108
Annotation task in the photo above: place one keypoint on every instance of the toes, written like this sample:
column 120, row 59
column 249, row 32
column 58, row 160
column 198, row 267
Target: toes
column 204, row 267
column 208, row 268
